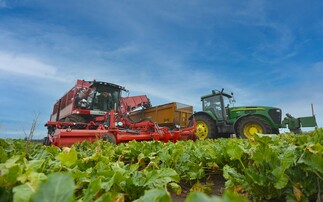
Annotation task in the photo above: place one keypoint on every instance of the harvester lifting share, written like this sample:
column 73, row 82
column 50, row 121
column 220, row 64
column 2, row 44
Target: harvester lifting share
column 113, row 130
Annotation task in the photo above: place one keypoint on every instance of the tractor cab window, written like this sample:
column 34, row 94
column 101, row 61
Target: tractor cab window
column 227, row 101
column 214, row 105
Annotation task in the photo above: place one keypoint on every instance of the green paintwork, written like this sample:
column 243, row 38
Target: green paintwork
column 218, row 106
column 294, row 124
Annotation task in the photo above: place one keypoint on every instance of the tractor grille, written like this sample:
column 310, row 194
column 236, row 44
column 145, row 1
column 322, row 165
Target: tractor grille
column 276, row 115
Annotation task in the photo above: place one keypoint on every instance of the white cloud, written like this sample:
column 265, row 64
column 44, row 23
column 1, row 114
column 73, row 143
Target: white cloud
column 27, row 66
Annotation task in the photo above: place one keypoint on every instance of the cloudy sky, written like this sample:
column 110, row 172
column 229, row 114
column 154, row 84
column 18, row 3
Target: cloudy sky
column 266, row 52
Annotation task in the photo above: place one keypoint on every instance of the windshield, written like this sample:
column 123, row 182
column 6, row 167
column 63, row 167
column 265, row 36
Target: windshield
column 213, row 104
column 103, row 98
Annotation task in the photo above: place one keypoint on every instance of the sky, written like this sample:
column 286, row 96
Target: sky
column 269, row 53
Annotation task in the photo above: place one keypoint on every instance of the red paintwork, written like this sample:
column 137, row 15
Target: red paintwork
column 67, row 133
column 70, row 108
column 67, row 101
column 65, row 136
column 133, row 102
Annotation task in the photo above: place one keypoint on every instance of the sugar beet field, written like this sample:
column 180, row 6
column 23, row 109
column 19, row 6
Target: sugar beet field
column 283, row 167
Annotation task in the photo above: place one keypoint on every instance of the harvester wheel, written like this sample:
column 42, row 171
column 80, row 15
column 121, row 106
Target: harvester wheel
column 110, row 138
column 250, row 125
column 46, row 141
column 205, row 127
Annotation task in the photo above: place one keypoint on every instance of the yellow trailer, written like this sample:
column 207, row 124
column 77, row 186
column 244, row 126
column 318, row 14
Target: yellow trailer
column 170, row 115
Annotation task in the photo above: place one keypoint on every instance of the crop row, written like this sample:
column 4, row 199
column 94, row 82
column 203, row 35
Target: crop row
column 269, row 167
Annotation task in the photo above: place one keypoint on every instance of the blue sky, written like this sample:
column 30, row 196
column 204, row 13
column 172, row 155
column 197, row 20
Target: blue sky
column 266, row 52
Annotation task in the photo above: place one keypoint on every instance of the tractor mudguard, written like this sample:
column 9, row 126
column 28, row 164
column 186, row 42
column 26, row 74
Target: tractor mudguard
column 202, row 112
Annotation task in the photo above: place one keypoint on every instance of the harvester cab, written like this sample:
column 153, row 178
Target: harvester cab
column 104, row 96
column 220, row 118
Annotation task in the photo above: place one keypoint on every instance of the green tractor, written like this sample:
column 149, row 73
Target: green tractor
column 218, row 119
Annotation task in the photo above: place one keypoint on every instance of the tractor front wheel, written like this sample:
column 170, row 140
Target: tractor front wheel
column 205, row 127
column 251, row 125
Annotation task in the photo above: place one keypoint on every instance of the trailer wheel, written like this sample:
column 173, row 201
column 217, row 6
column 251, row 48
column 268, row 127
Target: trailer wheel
column 110, row 138
column 205, row 127
column 251, row 125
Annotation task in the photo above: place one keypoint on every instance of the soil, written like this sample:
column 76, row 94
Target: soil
column 213, row 183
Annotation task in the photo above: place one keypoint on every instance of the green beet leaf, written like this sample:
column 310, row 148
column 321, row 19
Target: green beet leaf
column 35, row 164
column 92, row 190
column 228, row 196
column 156, row 195
column 176, row 188
column 159, row 178
column 10, row 171
column 68, row 157
column 59, row 187
column 235, row 152
column 199, row 196
column 23, row 192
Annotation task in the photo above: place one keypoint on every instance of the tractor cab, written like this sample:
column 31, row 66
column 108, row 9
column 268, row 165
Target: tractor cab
column 217, row 104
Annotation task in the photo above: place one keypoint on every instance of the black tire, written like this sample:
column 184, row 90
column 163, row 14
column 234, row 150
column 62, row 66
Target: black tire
column 192, row 137
column 75, row 118
column 110, row 138
column 46, row 141
column 205, row 127
column 249, row 125
column 275, row 131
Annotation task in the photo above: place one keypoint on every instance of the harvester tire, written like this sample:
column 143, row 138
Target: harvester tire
column 205, row 127
column 46, row 141
column 110, row 138
column 250, row 125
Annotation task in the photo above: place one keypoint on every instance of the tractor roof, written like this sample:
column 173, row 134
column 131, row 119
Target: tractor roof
column 216, row 92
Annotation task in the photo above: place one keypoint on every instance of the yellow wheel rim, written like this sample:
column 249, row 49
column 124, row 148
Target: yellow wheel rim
column 250, row 129
column 201, row 130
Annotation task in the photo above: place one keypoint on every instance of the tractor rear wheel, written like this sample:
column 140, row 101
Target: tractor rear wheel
column 251, row 125
column 110, row 138
column 205, row 127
